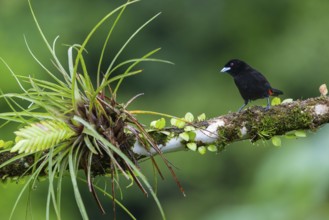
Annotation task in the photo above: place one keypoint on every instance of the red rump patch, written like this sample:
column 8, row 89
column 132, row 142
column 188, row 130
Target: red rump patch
column 270, row 92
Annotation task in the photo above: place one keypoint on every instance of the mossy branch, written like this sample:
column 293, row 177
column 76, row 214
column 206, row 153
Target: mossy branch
column 252, row 124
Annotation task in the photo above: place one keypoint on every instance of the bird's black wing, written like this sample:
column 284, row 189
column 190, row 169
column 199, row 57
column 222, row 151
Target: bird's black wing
column 260, row 79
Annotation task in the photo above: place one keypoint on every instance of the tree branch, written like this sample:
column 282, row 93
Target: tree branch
column 254, row 123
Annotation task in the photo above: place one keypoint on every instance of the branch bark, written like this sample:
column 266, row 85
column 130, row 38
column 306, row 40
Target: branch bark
column 254, row 123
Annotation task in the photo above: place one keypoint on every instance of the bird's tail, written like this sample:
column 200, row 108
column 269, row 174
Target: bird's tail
column 275, row 92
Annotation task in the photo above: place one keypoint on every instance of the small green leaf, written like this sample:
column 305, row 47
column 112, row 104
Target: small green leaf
column 300, row 133
column 191, row 146
column 202, row 117
column 165, row 132
column 6, row 144
column 189, row 128
column 161, row 123
column 191, row 135
column 153, row 124
column 276, row 101
column 185, row 136
column 212, row 148
column 202, row 150
column 158, row 124
column 177, row 122
column 276, row 141
column 290, row 135
column 189, row 117
column 173, row 121
column 287, row 101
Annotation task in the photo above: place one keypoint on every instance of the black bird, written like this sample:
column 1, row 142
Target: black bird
column 252, row 84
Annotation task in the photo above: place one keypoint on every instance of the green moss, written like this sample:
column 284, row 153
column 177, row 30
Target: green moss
column 229, row 133
column 276, row 123
column 160, row 137
column 226, row 135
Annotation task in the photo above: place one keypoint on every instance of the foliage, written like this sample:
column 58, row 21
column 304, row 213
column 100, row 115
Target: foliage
column 41, row 136
column 69, row 123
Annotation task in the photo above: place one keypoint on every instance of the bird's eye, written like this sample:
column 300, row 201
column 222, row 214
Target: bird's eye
column 232, row 64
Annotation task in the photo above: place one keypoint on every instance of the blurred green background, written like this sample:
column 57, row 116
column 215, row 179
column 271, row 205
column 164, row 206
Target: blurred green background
column 285, row 40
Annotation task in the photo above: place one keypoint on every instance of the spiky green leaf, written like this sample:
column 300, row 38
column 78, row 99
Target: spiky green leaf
column 41, row 136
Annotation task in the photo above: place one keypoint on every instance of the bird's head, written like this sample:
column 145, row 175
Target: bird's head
column 233, row 67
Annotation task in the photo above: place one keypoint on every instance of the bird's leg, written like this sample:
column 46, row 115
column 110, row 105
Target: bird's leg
column 245, row 103
column 268, row 104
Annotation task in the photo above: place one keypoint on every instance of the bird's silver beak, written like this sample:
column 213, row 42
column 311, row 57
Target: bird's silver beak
column 225, row 69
